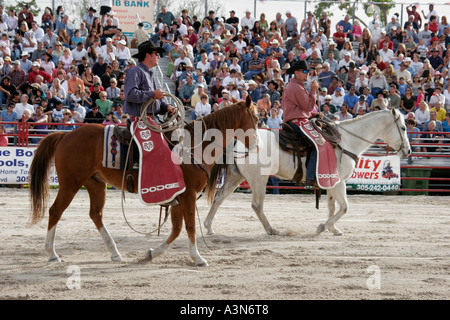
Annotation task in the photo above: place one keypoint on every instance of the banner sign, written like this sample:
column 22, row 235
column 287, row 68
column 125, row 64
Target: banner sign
column 376, row 174
column 130, row 13
column 15, row 163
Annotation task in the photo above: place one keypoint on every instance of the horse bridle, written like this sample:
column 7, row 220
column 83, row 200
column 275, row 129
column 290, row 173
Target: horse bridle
column 400, row 133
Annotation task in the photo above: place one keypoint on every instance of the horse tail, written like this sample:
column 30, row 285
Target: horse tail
column 211, row 186
column 39, row 170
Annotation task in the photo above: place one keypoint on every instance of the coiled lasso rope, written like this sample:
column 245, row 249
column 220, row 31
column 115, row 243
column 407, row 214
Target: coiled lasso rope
column 168, row 125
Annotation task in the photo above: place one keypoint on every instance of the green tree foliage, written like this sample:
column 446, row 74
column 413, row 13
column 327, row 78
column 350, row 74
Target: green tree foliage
column 374, row 6
column 195, row 7
column 32, row 6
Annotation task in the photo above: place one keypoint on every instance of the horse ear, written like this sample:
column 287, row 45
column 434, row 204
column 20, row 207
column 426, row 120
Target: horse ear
column 248, row 101
column 233, row 99
column 394, row 112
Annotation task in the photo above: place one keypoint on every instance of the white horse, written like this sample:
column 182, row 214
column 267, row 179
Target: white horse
column 356, row 137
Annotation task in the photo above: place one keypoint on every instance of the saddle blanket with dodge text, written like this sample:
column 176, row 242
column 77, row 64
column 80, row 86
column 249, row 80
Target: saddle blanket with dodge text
column 326, row 166
column 160, row 174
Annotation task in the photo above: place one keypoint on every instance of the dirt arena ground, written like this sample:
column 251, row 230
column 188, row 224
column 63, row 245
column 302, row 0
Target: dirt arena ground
column 392, row 248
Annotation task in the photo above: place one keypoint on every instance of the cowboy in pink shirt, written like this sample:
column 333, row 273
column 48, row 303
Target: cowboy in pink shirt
column 297, row 102
column 298, row 105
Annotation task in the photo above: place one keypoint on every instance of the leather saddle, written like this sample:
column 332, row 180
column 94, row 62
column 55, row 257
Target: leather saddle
column 295, row 144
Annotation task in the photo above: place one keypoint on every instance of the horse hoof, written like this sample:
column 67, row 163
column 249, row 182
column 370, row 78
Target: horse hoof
column 210, row 232
column 273, row 232
column 117, row 258
column 203, row 265
column 54, row 260
column 149, row 256
column 321, row 228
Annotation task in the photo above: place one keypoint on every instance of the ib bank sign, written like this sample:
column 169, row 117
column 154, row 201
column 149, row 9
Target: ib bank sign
column 130, row 13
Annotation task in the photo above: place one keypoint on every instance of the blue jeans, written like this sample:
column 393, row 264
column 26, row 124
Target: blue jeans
column 3, row 99
column 250, row 74
column 273, row 181
column 311, row 164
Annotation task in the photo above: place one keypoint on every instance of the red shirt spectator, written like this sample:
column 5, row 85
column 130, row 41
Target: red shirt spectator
column 338, row 35
column 391, row 44
column 35, row 71
column 25, row 15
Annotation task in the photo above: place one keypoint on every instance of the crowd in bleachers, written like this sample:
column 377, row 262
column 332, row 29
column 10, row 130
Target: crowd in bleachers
column 360, row 69
column 55, row 72
column 76, row 73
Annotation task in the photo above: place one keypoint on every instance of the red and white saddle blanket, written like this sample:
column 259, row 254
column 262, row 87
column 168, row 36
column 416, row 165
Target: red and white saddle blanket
column 160, row 174
column 326, row 166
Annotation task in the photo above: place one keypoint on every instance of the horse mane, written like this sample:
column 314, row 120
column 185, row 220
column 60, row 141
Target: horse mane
column 362, row 118
column 222, row 119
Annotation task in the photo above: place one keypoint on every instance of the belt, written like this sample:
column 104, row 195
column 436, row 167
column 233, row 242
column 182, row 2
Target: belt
column 298, row 120
column 136, row 118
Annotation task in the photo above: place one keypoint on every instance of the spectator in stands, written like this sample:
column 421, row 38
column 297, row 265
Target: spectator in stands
column 35, row 71
column 74, row 81
column 248, row 20
column 6, row 90
column 88, row 18
column 141, row 35
column 99, row 67
column 347, row 27
column 351, row 99
column 25, row 16
column 3, row 136
column 167, row 16
column 103, row 104
column 94, row 116
column 446, row 123
column 23, row 105
column 255, row 65
column 290, row 25
column 78, row 53
column 343, row 114
column 438, row 123
column 422, row 114
column 9, row 115
column 436, row 61
column 187, row 90
column 59, row 91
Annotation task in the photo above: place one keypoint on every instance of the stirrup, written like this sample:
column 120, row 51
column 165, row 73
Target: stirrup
column 174, row 202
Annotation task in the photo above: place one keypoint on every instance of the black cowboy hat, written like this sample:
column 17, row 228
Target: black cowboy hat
column 147, row 47
column 92, row 9
column 297, row 65
column 274, row 83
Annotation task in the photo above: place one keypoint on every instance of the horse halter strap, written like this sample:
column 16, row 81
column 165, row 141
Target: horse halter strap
column 400, row 133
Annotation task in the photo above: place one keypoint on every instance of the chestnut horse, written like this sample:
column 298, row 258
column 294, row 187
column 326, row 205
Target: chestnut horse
column 78, row 160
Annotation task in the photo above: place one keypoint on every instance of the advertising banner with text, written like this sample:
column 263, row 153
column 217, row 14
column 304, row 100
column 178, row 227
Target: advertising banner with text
column 15, row 164
column 376, row 174
column 130, row 13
